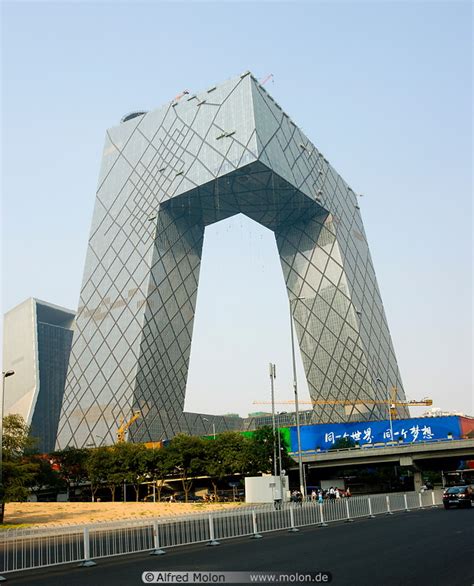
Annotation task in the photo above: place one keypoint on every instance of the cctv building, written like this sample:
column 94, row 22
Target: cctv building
column 165, row 176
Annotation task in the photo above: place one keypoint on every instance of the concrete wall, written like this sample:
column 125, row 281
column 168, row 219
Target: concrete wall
column 20, row 355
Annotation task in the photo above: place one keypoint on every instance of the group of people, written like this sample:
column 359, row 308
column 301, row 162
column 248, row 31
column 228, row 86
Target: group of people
column 296, row 497
column 210, row 498
column 317, row 496
column 331, row 493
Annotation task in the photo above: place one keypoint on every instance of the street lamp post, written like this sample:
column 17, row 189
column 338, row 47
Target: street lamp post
column 5, row 375
column 297, row 410
column 213, row 427
column 389, row 400
column 279, row 458
column 272, row 383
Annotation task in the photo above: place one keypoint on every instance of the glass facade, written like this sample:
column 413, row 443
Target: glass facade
column 165, row 176
column 54, row 348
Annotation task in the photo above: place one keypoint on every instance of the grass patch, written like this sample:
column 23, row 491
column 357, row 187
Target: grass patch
column 7, row 526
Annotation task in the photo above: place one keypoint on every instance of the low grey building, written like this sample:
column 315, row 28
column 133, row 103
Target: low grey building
column 36, row 345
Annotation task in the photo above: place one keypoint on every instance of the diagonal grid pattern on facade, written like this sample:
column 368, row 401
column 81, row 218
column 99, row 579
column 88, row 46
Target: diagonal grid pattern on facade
column 165, row 176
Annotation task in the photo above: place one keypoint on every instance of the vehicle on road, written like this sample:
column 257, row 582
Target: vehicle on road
column 458, row 496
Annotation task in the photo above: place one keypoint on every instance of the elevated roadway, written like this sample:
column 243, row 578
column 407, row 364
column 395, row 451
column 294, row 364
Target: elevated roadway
column 404, row 454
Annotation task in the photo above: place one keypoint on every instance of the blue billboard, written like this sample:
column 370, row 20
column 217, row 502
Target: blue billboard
column 422, row 429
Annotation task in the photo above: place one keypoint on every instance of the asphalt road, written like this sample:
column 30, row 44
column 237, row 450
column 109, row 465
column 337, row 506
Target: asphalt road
column 429, row 547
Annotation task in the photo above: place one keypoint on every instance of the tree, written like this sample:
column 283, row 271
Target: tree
column 18, row 471
column 159, row 466
column 224, row 456
column 16, row 436
column 130, row 460
column 343, row 443
column 187, row 458
column 72, row 465
column 101, row 469
column 259, row 451
column 46, row 476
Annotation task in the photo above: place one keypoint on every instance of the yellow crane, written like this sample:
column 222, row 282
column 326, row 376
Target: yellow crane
column 124, row 425
column 393, row 402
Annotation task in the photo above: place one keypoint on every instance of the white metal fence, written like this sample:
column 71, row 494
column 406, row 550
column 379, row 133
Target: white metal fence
column 22, row 549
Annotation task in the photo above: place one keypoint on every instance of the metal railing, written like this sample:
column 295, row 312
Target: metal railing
column 22, row 549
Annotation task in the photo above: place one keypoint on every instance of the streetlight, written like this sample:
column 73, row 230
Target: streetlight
column 295, row 388
column 213, row 426
column 5, row 375
column 379, row 380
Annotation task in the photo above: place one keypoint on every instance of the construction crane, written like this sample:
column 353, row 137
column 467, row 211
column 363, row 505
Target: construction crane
column 124, row 425
column 392, row 402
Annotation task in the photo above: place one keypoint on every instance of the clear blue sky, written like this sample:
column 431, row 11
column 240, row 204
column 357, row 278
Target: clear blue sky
column 383, row 89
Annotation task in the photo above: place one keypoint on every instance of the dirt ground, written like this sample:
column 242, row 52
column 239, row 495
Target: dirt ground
column 44, row 514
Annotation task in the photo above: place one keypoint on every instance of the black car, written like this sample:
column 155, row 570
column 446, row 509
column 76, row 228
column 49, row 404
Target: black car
column 458, row 496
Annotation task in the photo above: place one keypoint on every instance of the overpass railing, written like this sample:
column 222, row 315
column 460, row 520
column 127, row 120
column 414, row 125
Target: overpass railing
column 22, row 549
column 377, row 445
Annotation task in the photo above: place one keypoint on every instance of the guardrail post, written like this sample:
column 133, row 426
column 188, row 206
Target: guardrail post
column 371, row 515
column 212, row 536
column 156, row 540
column 389, row 512
column 420, row 500
column 323, row 524
column 406, row 503
column 256, row 534
column 348, row 520
column 86, row 562
column 292, row 529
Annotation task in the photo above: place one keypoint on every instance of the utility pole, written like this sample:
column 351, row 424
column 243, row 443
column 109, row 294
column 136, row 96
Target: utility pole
column 389, row 404
column 272, row 384
column 279, row 459
column 390, row 412
column 213, row 427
